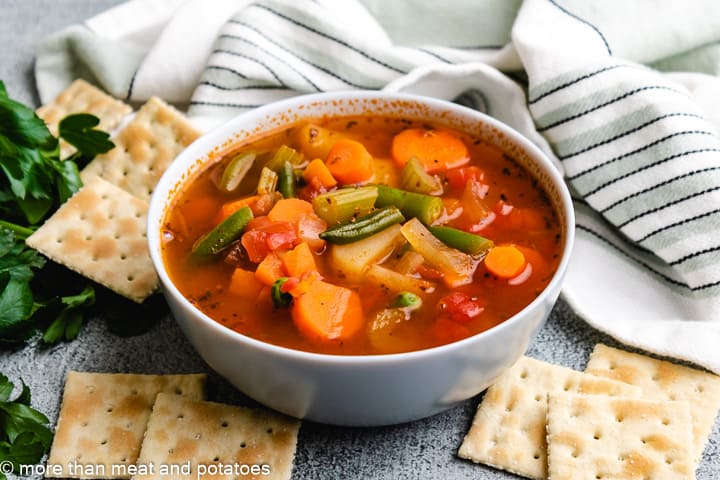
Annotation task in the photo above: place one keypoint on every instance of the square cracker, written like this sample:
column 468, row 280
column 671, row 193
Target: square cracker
column 206, row 433
column 664, row 380
column 100, row 233
column 594, row 436
column 508, row 431
column 104, row 415
column 143, row 149
column 81, row 97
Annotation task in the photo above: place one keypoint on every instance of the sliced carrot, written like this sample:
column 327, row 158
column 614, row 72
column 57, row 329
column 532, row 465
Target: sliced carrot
column 505, row 261
column 437, row 150
column 299, row 261
column 231, row 207
column 350, row 162
column 244, row 284
column 269, row 270
column 328, row 313
column 289, row 210
column 317, row 169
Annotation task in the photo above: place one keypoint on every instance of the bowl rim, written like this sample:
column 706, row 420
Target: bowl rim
column 164, row 192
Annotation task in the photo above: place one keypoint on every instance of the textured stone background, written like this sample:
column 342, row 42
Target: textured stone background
column 421, row 450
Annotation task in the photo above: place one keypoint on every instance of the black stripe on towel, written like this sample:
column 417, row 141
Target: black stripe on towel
column 694, row 255
column 295, row 55
column 650, row 165
column 677, row 224
column 605, row 104
column 669, row 204
column 627, row 255
column 329, row 37
column 576, row 80
column 265, row 50
column 224, row 104
column 658, row 185
column 238, row 54
column 582, row 20
column 246, row 87
column 629, row 132
column 226, row 69
column 638, row 150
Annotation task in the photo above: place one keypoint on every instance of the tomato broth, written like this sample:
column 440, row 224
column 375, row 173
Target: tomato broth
column 323, row 237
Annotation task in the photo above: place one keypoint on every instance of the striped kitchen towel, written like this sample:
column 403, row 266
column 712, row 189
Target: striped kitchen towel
column 639, row 148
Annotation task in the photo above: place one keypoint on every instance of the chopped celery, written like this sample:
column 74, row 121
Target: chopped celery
column 409, row 262
column 425, row 208
column 286, row 180
column 393, row 281
column 457, row 267
column 414, row 178
column 282, row 155
column 470, row 243
column 363, row 227
column 220, row 237
column 268, row 181
column 235, row 171
column 342, row 205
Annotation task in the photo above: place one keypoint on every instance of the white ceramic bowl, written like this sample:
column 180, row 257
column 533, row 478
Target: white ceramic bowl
column 359, row 390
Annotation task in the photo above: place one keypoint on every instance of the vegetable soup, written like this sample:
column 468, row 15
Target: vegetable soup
column 362, row 235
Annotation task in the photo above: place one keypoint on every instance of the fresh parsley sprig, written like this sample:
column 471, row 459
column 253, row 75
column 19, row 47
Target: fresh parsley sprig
column 34, row 182
column 24, row 434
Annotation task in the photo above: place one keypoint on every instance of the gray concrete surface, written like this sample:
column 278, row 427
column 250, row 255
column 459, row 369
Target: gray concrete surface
column 424, row 449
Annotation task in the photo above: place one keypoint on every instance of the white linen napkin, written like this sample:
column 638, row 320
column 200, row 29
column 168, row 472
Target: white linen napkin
column 639, row 148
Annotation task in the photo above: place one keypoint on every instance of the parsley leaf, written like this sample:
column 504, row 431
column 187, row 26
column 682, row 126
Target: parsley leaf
column 30, row 159
column 69, row 321
column 78, row 130
column 24, row 435
column 34, row 182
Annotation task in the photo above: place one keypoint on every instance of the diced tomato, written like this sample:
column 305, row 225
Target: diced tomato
column 263, row 236
column 461, row 307
column 458, row 177
column 515, row 218
column 281, row 237
column 255, row 245
column 445, row 331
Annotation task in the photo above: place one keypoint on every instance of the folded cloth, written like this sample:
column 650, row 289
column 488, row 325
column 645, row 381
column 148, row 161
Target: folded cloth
column 639, row 148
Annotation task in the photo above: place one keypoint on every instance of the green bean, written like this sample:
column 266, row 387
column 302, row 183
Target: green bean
column 220, row 237
column 425, row 208
column 363, row 227
column 286, row 180
column 469, row 243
